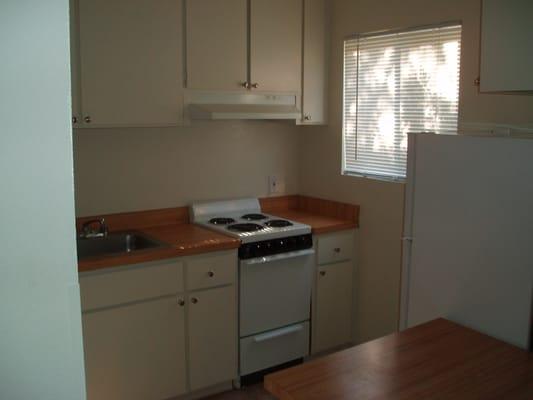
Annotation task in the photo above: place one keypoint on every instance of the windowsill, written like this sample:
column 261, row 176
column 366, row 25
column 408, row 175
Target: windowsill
column 381, row 178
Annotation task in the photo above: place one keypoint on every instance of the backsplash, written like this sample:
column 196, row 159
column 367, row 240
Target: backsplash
column 131, row 169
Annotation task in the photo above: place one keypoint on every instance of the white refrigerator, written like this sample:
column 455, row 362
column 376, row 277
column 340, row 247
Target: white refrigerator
column 468, row 234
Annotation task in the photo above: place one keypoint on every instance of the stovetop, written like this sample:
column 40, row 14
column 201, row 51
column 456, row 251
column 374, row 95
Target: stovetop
column 243, row 219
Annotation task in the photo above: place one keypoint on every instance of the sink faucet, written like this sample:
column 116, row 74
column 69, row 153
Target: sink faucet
column 87, row 232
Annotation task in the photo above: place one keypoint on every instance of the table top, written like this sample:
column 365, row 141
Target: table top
column 435, row 360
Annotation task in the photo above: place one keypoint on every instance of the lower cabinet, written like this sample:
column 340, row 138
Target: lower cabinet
column 333, row 322
column 136, row 351
column 212, row 336
column 151, row 336
column 333, row 293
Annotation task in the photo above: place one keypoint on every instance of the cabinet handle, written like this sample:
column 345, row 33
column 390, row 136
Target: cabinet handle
column 181, row 302
column 210, row 274
column 307, row 117
column 245, row 85
column 194, row 300
column 337, row 249
column 74, row 120
column 322, row 273
column 255, row 85
column 88, row 119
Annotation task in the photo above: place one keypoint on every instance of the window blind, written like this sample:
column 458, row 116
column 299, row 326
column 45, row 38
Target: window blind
column 396, row 83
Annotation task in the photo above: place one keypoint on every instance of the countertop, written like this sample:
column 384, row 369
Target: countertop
column 436, row 360
column 170, row 226
column 183, row 240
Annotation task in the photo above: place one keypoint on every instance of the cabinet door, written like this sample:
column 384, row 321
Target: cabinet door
column 217, row 44
column 276, row 45
column 506, row 56
column 332, row 323
column 136, row 351
column 131, row 54
column 314, row 91
column 74, row 63
column 212, row 337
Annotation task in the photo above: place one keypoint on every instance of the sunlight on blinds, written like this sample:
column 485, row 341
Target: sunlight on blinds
column 395, row 84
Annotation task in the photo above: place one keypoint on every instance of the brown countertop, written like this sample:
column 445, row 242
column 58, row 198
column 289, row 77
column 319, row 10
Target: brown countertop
column 319, row 223
column 183, row 240
column 171, row 227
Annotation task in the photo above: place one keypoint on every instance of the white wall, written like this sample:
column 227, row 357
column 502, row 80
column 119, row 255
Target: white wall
column 137, row 169
column 379, row 249
column 40, row 318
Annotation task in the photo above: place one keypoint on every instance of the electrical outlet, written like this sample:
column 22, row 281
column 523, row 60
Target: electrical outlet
column 276, row 185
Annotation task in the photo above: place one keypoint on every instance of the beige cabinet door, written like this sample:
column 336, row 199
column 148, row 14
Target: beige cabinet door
column 276, row 45
column 217, row 44
column 136, row 351
column 212, row 337
column 506, row 59
column 314, row 91
column 332, row 322
column 131, row 62
column 74, row 64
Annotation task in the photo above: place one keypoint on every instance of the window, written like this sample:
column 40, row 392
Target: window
column 395, row 83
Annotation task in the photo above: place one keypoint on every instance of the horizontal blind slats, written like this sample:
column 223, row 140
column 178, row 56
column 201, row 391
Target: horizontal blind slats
column 394, row 84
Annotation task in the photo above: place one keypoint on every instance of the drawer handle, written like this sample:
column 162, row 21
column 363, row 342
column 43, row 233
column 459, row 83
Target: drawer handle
column 194, row 300
column 278, row 333
column 210, row 274
column 337, row 249
column 181, row 302
column 322, row 273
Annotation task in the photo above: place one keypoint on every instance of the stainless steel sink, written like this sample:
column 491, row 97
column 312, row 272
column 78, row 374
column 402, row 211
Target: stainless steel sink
column 115, row 243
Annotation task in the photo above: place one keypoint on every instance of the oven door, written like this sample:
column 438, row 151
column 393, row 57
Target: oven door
column 275, row 291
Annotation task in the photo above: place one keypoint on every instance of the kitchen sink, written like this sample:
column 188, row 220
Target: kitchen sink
column 114, row 244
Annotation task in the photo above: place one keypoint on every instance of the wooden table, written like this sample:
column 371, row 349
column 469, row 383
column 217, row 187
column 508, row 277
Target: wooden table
column 436, row 360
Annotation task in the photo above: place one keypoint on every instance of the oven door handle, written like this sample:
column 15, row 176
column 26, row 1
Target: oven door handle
column 278, row 257
column 278, row 333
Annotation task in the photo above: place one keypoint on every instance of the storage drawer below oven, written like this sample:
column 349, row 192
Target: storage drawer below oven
column 274, row 347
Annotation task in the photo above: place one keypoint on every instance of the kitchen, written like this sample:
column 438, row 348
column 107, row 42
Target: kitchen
column 134, row 161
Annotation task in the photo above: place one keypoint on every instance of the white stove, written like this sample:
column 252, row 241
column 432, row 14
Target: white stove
column 276, row 264
column 243, row 219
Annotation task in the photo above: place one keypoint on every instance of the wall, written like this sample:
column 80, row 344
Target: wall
column 137, row 169
column 40, row 328
column 378, row 240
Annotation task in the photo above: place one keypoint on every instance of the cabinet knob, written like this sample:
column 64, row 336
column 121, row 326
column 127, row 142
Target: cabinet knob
column 210, row 274
column 194, row 300
column 322, row 273
column 477, row 81
column 181, row 302
column 87, row 119
column 74, row 120
column 245, row 85
column 255, row 85
column 337, row 249
column 307, row 117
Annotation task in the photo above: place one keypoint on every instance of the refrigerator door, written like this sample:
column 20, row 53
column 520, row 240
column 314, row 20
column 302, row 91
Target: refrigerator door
column 471, row 223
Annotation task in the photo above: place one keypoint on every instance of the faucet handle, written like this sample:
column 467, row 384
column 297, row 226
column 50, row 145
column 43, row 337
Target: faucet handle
column 88, row 232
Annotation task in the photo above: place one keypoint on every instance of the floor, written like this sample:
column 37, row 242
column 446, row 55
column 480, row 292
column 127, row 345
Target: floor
column 254, row 392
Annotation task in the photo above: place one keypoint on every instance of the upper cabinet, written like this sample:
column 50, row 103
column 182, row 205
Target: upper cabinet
column 314, row 79
column 276, row 45
column 240, row 44
column 131, row 62
column 217, row 44
column 137, row 63
column 506, row 37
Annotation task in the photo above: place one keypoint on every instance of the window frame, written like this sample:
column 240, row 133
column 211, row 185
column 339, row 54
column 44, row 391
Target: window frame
column 378, row 177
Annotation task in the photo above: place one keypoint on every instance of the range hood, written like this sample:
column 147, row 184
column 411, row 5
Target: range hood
column 226, row 106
